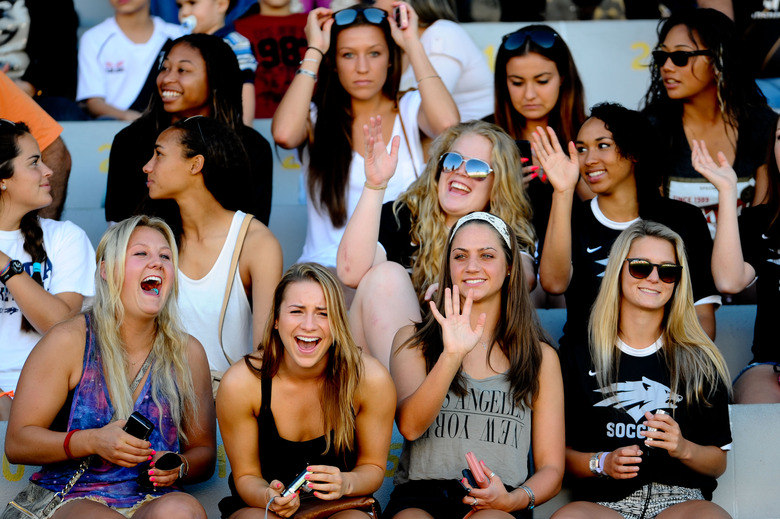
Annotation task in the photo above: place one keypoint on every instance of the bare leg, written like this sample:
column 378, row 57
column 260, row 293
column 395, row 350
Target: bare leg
column 491, row 514
column 758, row 385
column 57, row 157
column 85, row 508
column 384, row 302
column 699, row 509
column 176, row 505
column 412, row 513
column 585, row 510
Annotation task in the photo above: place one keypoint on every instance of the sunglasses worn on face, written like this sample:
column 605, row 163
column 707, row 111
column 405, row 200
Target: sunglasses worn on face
column 679, row 57
column 667, row 272
column 475, row 168
column 348, row 16
column 517, row 39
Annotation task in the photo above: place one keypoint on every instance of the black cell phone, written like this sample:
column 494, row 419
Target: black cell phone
column 139, row 426
column 524, row 147
column 168, row 461
column 469, row 477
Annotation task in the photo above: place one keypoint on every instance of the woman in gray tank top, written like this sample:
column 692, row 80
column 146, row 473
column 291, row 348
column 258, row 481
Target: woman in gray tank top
column 476, row 376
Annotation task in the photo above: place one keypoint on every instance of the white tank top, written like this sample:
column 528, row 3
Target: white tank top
column 200, row 301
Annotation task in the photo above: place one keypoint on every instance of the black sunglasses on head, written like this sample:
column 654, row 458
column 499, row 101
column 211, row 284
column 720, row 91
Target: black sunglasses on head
column 641, row 268
column 348, row 16
column 679, row 57
column 517, row 39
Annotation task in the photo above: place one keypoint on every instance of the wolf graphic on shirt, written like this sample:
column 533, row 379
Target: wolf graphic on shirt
column 637, row 397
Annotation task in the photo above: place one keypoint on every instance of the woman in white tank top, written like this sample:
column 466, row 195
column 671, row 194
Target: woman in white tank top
column 193, row 164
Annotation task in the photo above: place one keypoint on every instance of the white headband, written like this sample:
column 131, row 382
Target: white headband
column 497, row 223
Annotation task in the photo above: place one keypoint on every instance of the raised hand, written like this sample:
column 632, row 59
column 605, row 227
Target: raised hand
column 379, row 164
column 457, row 334
column 721, row 175
column 623, row 463
column 317, row 28
column 407, row 31
column 562, row 170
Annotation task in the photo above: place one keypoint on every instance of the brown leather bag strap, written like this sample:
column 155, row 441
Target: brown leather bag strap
column 231, row 276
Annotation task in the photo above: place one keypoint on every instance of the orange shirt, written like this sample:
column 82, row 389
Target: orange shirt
column 17, row 106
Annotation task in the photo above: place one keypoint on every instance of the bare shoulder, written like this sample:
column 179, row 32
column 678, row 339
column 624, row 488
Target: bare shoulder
column 238, row 378
column 196, row 354
column 260, row 235
column 375, row 375
column 66, row 337
column 550, row 361
column 402, row 336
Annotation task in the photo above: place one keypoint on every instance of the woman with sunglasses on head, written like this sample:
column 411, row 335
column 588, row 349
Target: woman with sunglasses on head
column 476, row 376
column 91, row 376
column 199, row 75
column 46, row 266
column 647, row 419
column 701, row 89
column 747, row 250
column 353, row 58
column 309, row 399
column 472, row 168
column 537, row 85
column 613, row 154
column 195, row 164
column 457, row 59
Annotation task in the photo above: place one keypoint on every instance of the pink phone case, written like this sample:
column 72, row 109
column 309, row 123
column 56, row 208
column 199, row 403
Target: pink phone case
column 476, row 469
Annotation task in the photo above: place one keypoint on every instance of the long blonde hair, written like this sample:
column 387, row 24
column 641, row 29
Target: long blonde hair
column 695, row 365
column 171, row 379
column 507, row 200
column 344, row 366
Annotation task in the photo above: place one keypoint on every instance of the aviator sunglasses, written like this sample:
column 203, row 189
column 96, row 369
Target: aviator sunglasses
column 641, row 268
column 475, row 168
column 347, row 16
column 679, row 57
column 517, row 39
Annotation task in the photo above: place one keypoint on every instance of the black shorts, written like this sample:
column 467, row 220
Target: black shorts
column 441, row 498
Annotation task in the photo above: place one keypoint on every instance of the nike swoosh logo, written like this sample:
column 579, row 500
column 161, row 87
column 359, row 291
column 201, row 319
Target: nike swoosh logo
column 764, row 236
column 591, row 251
column 591, row 373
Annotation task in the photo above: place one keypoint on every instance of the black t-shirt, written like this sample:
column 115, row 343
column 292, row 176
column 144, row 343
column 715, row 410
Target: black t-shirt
column 596, row 421
column 395, row 235
column 127, row 195
column 682, row 182
column 761, row 248
column 592, row 238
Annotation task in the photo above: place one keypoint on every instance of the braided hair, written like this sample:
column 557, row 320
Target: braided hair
column 30, row 227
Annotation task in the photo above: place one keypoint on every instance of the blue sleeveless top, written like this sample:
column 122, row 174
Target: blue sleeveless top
column 91, row 408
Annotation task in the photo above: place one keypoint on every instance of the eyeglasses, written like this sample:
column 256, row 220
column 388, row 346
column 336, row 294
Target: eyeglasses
column 667, row 272
column 348, row 16
column 679, row 57
column 475, row 168
column 517, row 39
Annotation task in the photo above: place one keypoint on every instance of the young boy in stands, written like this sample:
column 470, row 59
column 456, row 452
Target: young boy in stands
column 278, row 42
column 210, row 19
column 116, row 58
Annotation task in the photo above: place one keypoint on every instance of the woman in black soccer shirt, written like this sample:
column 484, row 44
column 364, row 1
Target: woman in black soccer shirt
column 647, row 421
column 613, row 154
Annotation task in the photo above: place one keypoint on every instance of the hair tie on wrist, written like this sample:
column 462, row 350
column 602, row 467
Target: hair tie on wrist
column 315, row 48
column 66, row 444
column 375, row 188
column 427, row 77
column 36, row 267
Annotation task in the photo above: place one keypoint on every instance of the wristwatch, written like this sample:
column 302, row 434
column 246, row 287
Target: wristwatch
column 13, row 268
column 593, row 464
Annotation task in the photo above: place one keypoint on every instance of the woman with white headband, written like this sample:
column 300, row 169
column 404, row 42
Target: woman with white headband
column 476, row 376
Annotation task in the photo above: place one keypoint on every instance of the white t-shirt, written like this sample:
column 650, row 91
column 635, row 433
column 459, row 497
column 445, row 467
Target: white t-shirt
column 113, row 67
column 69, row 267
column 322, row 238
column 462, row 67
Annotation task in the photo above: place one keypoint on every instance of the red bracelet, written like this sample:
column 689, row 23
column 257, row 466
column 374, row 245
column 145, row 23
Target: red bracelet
column 66, row 444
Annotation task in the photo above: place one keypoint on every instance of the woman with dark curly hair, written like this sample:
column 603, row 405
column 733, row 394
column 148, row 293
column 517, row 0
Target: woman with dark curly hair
column 701, row 89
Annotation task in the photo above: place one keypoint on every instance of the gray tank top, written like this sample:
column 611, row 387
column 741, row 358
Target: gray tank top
column 485, row 421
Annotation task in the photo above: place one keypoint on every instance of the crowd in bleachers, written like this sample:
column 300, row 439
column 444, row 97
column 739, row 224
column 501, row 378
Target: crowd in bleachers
column 444, row 204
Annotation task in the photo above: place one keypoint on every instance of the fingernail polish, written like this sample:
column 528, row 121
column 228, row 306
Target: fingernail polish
column 150, row 472
column 154, row 452
column 307, row 476
column 151, row 478
column 533, row 168
column 149, row 458
column 523, row 159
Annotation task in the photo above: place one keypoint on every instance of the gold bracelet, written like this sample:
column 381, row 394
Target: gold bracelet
column 375, row 188
column 427, row 77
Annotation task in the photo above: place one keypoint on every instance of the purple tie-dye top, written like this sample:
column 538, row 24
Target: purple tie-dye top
column 92, row 409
